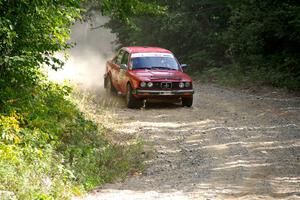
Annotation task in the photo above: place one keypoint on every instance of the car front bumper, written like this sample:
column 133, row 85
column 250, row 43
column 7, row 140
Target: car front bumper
column 141, row 92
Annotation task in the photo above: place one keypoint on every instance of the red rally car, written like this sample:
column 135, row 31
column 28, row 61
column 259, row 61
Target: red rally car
column 144, row 73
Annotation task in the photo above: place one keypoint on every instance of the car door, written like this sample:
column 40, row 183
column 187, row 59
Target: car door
column 122, row 78
column 116, row 69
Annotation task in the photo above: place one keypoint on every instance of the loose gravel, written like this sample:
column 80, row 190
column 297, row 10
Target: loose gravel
column 231, row 144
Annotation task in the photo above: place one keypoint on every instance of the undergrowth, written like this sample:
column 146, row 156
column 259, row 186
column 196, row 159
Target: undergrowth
column 49, row 149
column 234, row 75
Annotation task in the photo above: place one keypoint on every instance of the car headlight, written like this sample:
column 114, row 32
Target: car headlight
column 187, row 84
column 143, row 84
column 150, row 84
column 181, row 85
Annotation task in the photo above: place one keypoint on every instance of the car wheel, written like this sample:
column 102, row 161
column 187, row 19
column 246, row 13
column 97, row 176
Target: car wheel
column 131, row 101
column 110, row 90
column 187, row 101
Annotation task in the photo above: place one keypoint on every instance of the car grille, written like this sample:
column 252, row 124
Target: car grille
column 166, row 85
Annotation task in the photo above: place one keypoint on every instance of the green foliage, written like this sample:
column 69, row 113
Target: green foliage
column 264, row 39
column 191, row 29
column 259, row 38
column 129, row 8
column 31, row 31
column 123, row 10
column 49, row 150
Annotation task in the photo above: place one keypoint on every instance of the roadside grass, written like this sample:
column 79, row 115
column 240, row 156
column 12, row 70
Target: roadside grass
column 235, row 76
column 50, row 149
column 126, row 151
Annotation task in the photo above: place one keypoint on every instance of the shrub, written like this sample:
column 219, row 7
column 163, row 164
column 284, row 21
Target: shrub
column 49, row 150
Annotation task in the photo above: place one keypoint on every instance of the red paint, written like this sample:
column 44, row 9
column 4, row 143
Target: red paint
column 121, row 78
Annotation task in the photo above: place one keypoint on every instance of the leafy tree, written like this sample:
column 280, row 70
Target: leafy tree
column 251, row 41
column 264, row 36
column 44, row 139
column 31, row 31
column 124, row 10
column 191, row 29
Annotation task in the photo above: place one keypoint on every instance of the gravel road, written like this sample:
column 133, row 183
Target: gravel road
column 231, row 144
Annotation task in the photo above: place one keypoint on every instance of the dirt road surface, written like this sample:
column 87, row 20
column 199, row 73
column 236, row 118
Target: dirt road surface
column 231, row 144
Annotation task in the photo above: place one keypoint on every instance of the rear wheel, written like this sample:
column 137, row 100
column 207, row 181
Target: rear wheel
column 131, row 101
column 187, row 101
column 109, row 87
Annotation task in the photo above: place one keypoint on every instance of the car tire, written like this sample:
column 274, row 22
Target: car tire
column 131, row 101
column 109, row 88
column 188, row 102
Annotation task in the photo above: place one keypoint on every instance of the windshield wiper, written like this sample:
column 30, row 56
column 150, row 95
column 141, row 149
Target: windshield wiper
column 158, row 67
column 142, row 68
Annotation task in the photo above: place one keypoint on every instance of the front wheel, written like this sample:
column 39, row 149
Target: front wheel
column 131, row 101
column 188, row 102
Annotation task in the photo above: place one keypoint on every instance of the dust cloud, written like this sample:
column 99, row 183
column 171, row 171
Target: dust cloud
column 85, row 65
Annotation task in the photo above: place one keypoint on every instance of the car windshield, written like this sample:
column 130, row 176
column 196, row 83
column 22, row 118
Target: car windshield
column 155, row 62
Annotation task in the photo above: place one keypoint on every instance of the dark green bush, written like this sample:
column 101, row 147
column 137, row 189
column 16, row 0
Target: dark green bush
column 245, row 39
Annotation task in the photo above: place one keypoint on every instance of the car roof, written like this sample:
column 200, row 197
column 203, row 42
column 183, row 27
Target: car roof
column 140, row 49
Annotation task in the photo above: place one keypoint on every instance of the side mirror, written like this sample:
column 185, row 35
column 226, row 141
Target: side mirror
column 123, row 66
column 183, row 66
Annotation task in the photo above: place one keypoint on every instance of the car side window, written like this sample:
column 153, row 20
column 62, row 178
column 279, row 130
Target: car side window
column 125, row 58
column 119, row 57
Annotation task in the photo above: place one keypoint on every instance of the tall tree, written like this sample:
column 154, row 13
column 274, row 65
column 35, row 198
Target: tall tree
column 31, row 32
column 265, row 36
column 259, row 39
column 191, row 29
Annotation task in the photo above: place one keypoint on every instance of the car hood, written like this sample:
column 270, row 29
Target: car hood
column 160, row 75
